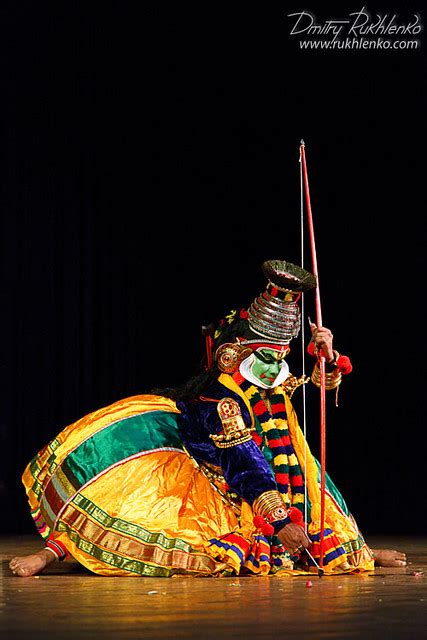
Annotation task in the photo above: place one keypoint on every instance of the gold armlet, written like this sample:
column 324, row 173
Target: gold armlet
column 234, row 429
column 332, row 379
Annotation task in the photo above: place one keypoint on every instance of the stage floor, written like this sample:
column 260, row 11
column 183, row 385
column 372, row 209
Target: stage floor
column 69, row 603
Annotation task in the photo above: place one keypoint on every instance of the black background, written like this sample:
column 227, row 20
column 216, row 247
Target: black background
column 149, row 164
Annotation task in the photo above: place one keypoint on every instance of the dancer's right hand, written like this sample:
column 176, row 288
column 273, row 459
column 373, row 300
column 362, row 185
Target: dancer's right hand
column 293, row 537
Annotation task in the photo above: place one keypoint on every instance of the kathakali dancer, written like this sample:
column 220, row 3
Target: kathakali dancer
column 213, row 478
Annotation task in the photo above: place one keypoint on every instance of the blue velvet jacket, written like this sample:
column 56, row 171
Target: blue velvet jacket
column 244, row 466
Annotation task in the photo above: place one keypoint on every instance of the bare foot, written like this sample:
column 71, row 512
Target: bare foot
column 389, row 558
column 26, row 566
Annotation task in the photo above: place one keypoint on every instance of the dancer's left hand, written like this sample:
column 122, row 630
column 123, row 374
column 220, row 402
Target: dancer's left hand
column 322, row 338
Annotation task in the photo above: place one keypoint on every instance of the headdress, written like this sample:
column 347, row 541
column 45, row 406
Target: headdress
column 273, row 318
column 275, row 314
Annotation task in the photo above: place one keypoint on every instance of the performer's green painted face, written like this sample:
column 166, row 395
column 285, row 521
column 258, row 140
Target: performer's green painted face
column 267, row 365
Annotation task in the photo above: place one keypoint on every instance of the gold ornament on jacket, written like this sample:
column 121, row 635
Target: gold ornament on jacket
column 234, row 429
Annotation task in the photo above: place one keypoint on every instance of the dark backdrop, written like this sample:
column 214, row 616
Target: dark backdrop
column 149, row 164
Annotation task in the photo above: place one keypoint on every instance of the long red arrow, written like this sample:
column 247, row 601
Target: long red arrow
column 321, row 357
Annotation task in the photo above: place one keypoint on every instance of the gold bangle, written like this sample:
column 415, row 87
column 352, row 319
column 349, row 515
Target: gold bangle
column 332, row 380
column 270, row 505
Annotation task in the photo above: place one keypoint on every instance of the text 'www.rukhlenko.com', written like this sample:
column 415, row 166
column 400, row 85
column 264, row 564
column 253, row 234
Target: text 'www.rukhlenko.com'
column 360, row 43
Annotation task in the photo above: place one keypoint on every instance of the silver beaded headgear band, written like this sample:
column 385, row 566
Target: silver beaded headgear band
column 275, row 314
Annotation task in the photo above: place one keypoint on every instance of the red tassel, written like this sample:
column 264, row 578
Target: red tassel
column 295, row 515
column 310, row 349
column 258, row 522
column 207, row 331
column 267, row 529
column 209, row 349
column 344, row 365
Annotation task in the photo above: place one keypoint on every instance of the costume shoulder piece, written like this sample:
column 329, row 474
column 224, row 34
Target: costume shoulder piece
column 292, row 383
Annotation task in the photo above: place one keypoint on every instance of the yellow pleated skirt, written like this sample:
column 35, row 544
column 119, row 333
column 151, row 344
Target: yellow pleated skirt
column 125, row 502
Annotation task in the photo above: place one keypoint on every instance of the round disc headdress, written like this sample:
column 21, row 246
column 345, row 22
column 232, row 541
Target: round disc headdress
column 275, row 314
